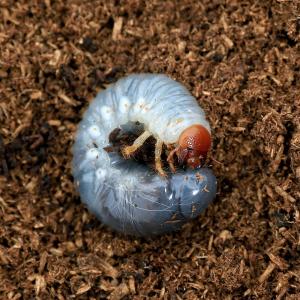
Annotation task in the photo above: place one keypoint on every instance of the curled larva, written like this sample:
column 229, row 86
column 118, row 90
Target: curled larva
column 124, row 194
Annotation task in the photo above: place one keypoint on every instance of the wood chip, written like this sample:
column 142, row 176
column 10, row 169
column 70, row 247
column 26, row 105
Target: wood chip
column 83, row 289
column 116, row 34
column 284, row 194
column 43, row 261
column 228, row 42
column 121, row 291
column 265, row 275
column 55, row 123
column 40, row 283
column 68, row 100
column 278, row 261
column 131, row 283
column 36, row 95
column 108, row 269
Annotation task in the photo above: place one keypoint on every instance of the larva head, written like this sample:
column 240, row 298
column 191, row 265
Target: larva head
column 193, row 145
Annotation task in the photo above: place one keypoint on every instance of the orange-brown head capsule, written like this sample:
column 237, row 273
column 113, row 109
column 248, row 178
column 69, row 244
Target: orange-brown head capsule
column 193, row 145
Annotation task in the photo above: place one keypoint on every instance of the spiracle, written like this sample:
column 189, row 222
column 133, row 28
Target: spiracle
column 127, row 195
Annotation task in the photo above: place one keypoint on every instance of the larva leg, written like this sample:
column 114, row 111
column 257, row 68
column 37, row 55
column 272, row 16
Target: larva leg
column 158, row 151
column 128, row 150
column 170, row 160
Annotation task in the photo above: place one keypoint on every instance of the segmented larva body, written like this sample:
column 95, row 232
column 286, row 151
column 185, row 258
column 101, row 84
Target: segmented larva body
column 124, row 194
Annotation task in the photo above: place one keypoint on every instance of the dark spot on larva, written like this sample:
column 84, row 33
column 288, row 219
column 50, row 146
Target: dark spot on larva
column 173, row 219
column 199, row 177
column 205, row 189
column 108, row 149
column 194, row 209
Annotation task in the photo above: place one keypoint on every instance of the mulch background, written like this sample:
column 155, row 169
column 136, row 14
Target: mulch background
column 241, row 59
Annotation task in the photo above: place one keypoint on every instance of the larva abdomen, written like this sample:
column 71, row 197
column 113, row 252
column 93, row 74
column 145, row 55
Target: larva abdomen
column 150, row 205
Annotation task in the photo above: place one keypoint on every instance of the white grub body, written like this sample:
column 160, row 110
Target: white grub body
column 166, row 109
column 164, row 106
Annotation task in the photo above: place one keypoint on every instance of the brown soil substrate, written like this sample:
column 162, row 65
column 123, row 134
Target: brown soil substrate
column 241, row 59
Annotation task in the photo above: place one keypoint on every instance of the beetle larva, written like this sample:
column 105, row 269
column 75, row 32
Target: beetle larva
column 129, row 196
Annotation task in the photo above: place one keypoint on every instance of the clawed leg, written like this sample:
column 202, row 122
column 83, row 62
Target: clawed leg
column 158, row 164
column 129, row 150
column 170, row 160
